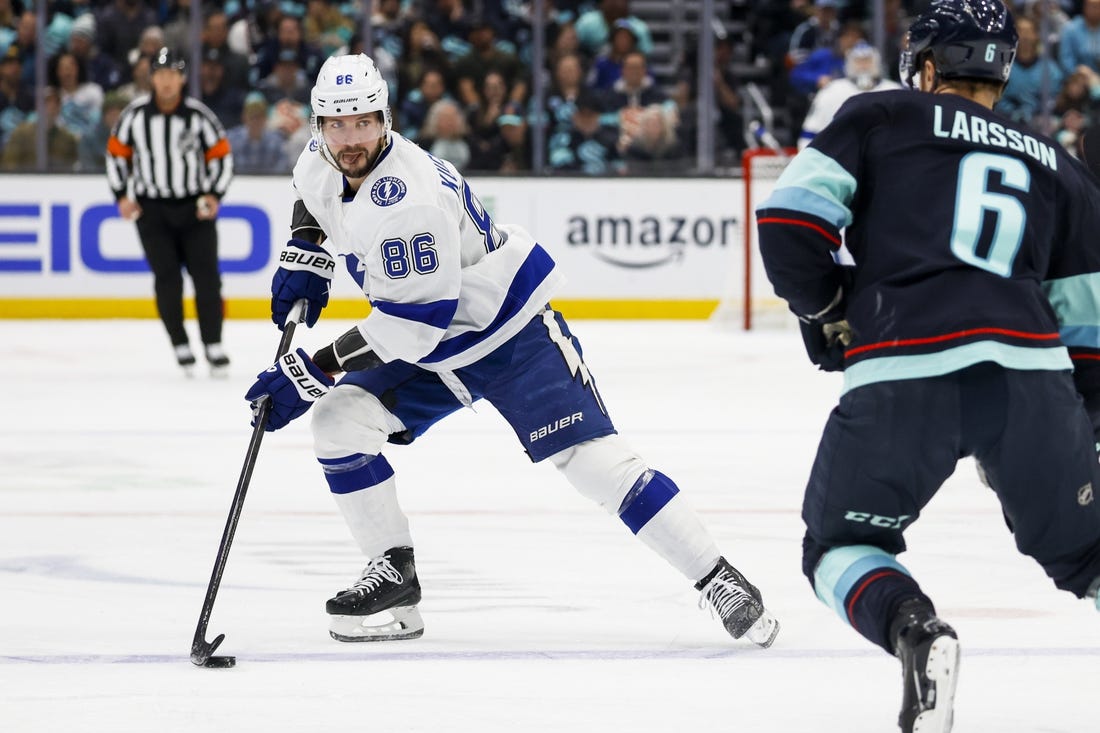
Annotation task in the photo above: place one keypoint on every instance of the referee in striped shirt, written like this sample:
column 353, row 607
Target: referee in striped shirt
column 169, row 164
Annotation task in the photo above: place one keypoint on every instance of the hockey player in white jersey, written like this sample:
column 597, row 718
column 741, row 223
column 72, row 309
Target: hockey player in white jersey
column 862, row 73
column 459, row 313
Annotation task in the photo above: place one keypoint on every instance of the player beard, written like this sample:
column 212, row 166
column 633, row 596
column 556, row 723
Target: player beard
column 357, row 167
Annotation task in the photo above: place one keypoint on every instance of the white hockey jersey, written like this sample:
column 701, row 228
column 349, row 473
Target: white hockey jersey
column 446, row 285
column 828, row 101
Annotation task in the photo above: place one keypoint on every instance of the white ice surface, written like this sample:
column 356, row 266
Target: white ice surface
column 542, row 613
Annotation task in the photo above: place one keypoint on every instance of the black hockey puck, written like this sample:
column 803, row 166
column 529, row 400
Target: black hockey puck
column 220, row 662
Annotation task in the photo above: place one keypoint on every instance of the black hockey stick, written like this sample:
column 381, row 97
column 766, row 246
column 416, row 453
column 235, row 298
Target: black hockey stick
column 202, row 651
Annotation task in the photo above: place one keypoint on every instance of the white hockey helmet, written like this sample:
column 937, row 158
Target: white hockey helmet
column 347, row 86
column 863, row 65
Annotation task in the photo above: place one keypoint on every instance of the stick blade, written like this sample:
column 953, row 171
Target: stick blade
column 220, row 662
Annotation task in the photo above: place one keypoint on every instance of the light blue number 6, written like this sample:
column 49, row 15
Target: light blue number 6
column 973, row 199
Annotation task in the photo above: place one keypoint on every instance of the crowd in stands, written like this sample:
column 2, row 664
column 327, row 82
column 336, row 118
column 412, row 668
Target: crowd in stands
column 1055, row 82
column 460, row 75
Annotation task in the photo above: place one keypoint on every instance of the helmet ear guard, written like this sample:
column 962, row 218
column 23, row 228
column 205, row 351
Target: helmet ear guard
column 347, row 86
column 966, row 39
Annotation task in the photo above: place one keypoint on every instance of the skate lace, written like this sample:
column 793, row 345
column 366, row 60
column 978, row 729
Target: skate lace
column 723, row 596
column 377, row 572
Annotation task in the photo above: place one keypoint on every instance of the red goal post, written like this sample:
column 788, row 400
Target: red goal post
column 752, row 299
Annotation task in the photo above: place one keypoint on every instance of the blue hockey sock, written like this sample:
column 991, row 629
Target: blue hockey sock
column 865, row 585
column 355, row 472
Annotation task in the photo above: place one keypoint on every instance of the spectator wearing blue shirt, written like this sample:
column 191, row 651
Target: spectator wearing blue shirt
column 816, row 33
column 826, row 64
column 287, row 80
column 594, row 27
column 1080, row 44
column 288, row 36
column 1022, row 97
column 257, row 149
column 430, row 88
column 608, row 66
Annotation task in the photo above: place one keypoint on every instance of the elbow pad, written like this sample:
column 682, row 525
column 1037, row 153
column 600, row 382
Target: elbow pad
column 349, row 353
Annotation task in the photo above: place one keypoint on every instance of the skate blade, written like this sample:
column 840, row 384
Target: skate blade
column 764, row 631
column 943, row 669
column 406, row 623
column 219, row 372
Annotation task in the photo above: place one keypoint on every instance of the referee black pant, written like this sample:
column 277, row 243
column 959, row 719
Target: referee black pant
column 174, row 238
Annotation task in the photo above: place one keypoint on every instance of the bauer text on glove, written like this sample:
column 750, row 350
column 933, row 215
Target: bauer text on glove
column 292, row 384
column 305, row 272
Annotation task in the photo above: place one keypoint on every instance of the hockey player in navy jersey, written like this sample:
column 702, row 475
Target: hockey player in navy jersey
column 968, row 326
column 459, row 313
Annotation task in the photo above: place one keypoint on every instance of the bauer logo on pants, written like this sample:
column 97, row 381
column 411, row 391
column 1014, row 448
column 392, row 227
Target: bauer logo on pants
column 557, row 425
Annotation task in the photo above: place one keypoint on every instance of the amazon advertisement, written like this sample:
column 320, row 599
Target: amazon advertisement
column 622, row 244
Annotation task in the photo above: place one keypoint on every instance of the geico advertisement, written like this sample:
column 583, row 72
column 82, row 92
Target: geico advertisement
column 614, row 239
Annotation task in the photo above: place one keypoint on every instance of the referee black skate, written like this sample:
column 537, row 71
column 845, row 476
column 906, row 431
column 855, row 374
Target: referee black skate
column 169, row 164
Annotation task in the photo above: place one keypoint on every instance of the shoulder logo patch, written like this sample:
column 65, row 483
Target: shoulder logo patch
column 388, row 190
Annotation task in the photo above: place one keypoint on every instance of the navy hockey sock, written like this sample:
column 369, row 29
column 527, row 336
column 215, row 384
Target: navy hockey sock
column 865, row 586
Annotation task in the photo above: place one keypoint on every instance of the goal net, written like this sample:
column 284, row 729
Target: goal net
column 748, row 300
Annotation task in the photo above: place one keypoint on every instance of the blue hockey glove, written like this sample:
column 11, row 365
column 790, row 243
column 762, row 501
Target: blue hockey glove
column 305, row 272
column 293, row 384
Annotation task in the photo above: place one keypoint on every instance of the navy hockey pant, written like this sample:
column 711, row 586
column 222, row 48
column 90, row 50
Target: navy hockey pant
column 889, row 446
column 537, row 381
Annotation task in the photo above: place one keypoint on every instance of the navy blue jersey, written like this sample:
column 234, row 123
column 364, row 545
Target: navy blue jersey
column 974, row 240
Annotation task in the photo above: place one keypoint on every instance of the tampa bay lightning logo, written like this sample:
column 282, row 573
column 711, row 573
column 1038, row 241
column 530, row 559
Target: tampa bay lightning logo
column 388, row 191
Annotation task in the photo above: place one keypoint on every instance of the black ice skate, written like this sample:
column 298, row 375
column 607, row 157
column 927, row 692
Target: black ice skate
column 218, row 360
column 737, row 602
column 388, row 586
column 929, row 653
column 185, row 358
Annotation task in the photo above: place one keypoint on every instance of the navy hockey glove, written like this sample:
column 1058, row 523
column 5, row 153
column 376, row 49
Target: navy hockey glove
column 293, row 384
column 826, row 335
column 305, row 272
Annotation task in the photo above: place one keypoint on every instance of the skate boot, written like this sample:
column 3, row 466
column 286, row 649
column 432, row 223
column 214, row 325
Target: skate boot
column 929, row 653
column 388, row 586
column 737, row 602
column 185, row 358
column 218, row 360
